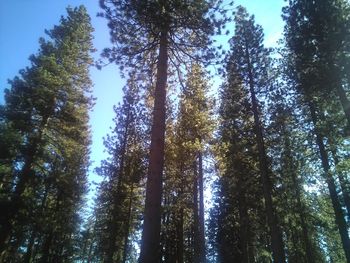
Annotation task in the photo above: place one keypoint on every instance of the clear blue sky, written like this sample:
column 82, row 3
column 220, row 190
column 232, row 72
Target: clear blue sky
column 22, row 22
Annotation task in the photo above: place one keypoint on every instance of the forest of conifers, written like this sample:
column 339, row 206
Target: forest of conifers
column 255, row 170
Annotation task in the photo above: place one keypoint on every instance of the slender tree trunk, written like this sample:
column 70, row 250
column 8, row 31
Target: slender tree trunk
column 152, row 215
column 244, row 221
column 127, row 227
column 277, row 244
column 275, row 231
column 180, row 219
column 339, row 217
column 201, row 209
column 196, row 228
column 302, row 215
column 118, row 196
column 298, row 195
column 180, row 237
column 16, row 201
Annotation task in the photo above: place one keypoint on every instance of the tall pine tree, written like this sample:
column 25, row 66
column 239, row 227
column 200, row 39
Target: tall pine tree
column 46, row 110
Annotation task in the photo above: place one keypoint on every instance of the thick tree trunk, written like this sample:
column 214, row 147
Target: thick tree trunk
column 339, row 216
column 277, row 244
column 152, row 215
column 201, row 209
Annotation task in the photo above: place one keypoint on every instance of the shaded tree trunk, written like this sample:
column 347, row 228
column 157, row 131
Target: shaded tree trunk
column 119, row 195
column 127, row 227
column 196, row 228
column 201, row 240
column 243, row 232
column 180, row 237
column 277, row 245
column 152, row 215
column 339, row 217
column 298, row 195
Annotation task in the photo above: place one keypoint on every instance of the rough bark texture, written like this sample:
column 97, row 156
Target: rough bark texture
column 152, row 216
column 339, row 216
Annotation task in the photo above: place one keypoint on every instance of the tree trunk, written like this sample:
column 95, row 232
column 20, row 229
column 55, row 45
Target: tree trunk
column 298, row 195
column 118, row 196
column 202, row 256
column 339, row 217
column 180, row 219
column 152, row 215
column 277, row 245
column 196, row 238
column 15, row 203
column 127, row 227
column 243, row 228
column 180, row 237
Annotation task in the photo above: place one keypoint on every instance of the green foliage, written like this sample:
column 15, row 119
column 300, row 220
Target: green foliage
column 118, row 205
column 46, row 114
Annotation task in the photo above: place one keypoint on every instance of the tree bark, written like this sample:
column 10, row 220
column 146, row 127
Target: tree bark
column 339, row 217
column 150, row 247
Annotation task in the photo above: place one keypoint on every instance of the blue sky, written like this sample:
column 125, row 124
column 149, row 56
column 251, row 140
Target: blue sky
column 22, row 23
